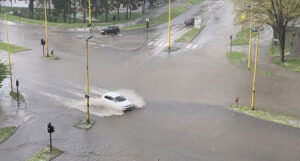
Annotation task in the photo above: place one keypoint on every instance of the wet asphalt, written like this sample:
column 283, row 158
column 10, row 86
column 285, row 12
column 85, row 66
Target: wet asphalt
column 186, row 95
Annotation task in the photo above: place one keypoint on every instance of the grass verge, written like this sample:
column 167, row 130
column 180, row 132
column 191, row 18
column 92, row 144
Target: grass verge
column 14, row 95
column 264, row 115
column 240, row 59
column 195, row 1
column 13, row 48
column 274, row 49
column 3, row 71
column 57, row 24
column 160, row 19
column 292, row 64
column 6, row 132
column 237, row 58
column 45, row 154
column 83, row 125
column 242, row 37
column 190, row 35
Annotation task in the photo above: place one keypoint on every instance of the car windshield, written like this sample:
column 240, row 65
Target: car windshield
column 120, row 99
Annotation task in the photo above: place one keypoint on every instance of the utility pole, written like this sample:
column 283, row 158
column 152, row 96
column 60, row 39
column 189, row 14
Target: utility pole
column 87, row 95
column 169, row 27
column 46, row 28
column 8, row 50
column 250, row 40
column 255, row 67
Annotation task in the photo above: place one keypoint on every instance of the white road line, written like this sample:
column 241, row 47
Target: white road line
column 156, row 43
column 194, row 46
column 161, row 44
column 189, row 46
column 150, row 43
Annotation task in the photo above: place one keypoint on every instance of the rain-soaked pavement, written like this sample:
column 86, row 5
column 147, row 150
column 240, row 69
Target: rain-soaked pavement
column 182, row 100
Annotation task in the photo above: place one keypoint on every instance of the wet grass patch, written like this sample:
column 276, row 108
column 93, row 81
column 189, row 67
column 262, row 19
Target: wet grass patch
column 242, row 37
column 237, row 58
column 292, row 64
column 195, row 1
column 189, row 35
column 60, row 24
column 14, row 95
column 3, row 72
column 268, row 116
column 83, row 125
column 45, row 154
column 13, row 48
column 54, row 57
column 160, row 19
column 6, row 132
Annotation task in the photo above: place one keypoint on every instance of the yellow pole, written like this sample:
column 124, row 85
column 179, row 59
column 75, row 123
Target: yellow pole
column 8, row 50
column 46, row 28
column 169, row 27
column 90, row 13
column 250, row 41
column 254, row 75
column 87, row 85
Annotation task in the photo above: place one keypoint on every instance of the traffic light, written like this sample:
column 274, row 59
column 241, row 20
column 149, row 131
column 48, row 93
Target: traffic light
column 50, row 128
column 43, row 42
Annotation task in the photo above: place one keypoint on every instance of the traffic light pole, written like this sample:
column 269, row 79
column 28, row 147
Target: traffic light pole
column 50, row 142
column 8, row 50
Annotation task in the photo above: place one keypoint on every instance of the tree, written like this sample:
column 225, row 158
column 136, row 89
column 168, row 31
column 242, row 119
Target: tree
column 276, row 13
column 30, row 7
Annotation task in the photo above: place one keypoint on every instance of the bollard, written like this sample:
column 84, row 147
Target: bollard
column 237, row 99
column 17, row 84
column 52, row 53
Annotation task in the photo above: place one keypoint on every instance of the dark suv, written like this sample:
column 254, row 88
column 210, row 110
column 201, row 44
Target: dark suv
column 189, row 22
column 111, row 29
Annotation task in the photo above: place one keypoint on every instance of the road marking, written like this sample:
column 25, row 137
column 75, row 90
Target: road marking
column 156, row 43
column 161, row 44
column 194, row 46
column 189, row 46
column 150, row 43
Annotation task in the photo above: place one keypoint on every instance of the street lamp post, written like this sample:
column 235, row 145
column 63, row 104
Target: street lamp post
column 250, row 38
column 169, row 27
column 87, row 95
column 255, row 66
column 46, row 28
column 8, row 50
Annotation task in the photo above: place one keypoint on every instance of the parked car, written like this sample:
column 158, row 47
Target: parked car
column 111, row 29
column 118, row 99
column 189, row 22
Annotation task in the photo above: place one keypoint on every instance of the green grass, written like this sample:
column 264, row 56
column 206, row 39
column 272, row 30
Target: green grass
column 292, row 64
column 241, row 38
column 6, row 132
column 13, row 48
column 237, row 58
column 268, row 116
column 58, row 24
column 160, row 19
column 83, row 125
column 190, row 35
column 3, row 71
column 14, row 95
column 274, row 50
column 45, row 154
column 266, row 73
column 195, row 1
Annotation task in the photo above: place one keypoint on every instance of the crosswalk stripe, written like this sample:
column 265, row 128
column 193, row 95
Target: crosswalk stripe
column 150, row 43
